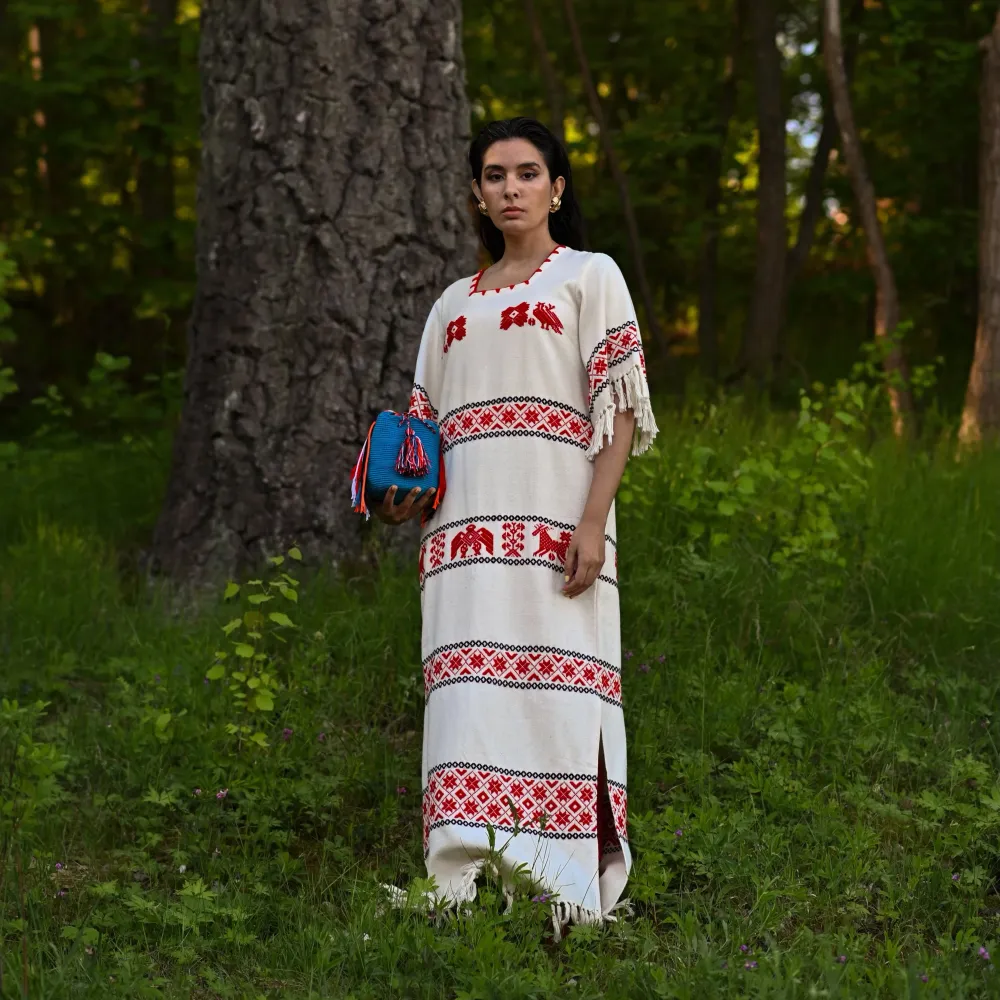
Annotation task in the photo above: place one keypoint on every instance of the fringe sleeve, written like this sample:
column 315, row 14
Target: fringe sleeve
column 611, row 351
column 425, row 396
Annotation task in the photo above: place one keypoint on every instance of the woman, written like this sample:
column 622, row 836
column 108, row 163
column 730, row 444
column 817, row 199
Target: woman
column 534, row 369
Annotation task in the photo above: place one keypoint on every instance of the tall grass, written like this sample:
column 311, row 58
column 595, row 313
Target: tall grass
column 813, row 788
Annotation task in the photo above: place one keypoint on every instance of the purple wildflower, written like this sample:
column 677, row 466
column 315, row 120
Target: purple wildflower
column 542, row 897
column 197, row 791
column 643, row 668
column 286, row 734
column 678, row 833
column 628, row 654
column 222, row 793
column 842, row 959
column 401, row 789
column 662, row 658
column 744, row 948
column 59, row 866
column 61, row 893
column 749, row 965
column 984, row 954
column 955, row 877
column 924, row 977
column 321, row 738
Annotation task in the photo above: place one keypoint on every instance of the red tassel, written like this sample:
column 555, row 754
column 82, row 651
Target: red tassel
column 412, row 459
column 359, row 476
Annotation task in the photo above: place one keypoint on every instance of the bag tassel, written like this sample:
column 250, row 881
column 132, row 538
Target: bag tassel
column 412, row 459
column 359, row 477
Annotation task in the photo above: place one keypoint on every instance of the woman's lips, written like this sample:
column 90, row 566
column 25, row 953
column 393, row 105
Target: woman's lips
column 513, row 211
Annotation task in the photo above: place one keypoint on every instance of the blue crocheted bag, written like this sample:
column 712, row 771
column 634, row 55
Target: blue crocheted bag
column 401, row 450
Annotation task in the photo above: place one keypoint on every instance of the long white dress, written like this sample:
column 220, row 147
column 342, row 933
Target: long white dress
column 522, row 684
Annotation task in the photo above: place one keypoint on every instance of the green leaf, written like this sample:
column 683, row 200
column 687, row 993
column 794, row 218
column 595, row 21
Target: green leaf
column 745, row 485
column 294, row 553
column 216, row 673
column 288, row 593
column 69, row 933
column 232, row 589
column 280, row 618
column 260, row 739
column 243, row 650
column 276, row 560
column 258, row 598
column 232, row 626
column 727, row 508
column 626, row 496
column 163, row 720
column 264, row 701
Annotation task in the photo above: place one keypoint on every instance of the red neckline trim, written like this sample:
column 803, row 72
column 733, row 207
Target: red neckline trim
column 474, row 289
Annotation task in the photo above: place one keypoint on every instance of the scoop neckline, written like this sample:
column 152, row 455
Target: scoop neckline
column 474, row 288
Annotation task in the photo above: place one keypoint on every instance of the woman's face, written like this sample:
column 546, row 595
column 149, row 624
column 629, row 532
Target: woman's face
column 516, row 186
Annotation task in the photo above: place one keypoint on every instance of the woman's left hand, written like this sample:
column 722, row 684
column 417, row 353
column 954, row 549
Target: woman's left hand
column 584, row 558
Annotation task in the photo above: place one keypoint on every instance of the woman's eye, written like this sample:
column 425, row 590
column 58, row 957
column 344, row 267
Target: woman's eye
column 529, row 175
column 494, row 177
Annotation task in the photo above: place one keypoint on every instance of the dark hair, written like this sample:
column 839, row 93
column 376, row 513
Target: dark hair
column 565, row 225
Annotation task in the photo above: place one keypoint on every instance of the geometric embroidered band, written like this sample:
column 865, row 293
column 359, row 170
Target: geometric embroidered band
column 516, row 416
column 526, row 667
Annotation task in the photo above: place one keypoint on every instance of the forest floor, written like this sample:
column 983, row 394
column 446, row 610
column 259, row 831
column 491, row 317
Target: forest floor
column 810, row 688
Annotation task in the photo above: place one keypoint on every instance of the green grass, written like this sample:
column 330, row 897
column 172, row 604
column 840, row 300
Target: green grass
column 812, row 756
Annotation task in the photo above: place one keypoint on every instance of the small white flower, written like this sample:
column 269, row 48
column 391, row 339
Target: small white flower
column 183, row 869
column 367, row 938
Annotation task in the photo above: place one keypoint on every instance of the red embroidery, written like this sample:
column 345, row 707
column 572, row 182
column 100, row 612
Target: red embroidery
column 513, row 539
column 420, row 404
column 455, row 331
column 472, row 538
column 502, row 417
column 619, row 807
column 523, row 666
column 478, row 795
column 437, row 551
column 613, row 350
column 514, row 316
column 547, row 318
column 553, row 548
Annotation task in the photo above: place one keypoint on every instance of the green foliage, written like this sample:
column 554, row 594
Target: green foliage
column 812, row 771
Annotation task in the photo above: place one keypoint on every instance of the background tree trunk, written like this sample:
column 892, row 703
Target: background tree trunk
column 621, row 181
column 981, row 415
column 760, row 341
column 330, row 218
column 154, row 258
column 887, row 298
column 553, row 89
column 708, row 270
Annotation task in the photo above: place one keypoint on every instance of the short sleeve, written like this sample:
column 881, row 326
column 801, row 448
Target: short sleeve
column 425, row 396
column 611, row 351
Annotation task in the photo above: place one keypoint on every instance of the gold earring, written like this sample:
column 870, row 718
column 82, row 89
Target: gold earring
column 483, row 209
column 556, row 203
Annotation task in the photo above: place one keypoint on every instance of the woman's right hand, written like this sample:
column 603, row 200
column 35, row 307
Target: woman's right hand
column 390, row 512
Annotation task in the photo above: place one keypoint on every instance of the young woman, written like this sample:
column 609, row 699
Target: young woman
column 534, row 370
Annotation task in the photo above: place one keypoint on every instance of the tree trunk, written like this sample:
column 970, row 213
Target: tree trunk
column 621, row 181
column 553, row 91
column 981, row 415
column 154, row 256
column 887, row 298
column 330, row 217
column 708, row 334
column 760, row 341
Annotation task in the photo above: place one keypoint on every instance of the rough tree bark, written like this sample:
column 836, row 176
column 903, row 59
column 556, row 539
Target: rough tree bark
column 621, row 181
column 981, row 415
column 708, row 270
column 760, row 340
column 553, row 90
column 886, row 296
column 330, row 218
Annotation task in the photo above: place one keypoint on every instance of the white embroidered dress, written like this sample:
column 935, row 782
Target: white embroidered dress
column 522, row 684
